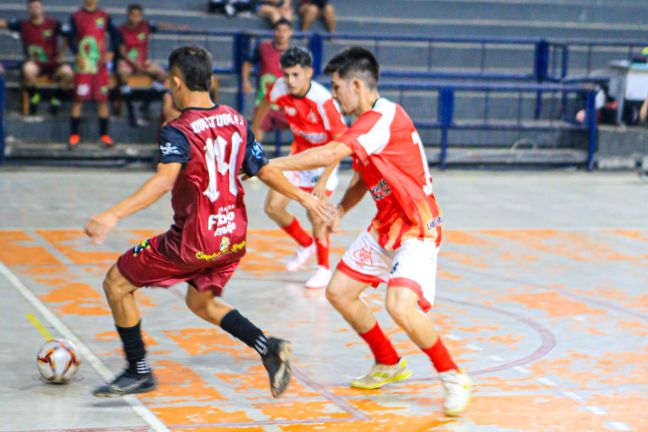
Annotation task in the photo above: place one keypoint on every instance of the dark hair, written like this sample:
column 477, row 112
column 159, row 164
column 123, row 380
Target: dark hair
column 357, row 62
column 34, row 1
column 194, row 64
column 282, row 21
column 134, row 6
column 296, row 56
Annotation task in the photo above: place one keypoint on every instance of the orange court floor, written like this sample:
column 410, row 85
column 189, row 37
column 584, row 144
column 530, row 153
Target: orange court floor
column 542, row 296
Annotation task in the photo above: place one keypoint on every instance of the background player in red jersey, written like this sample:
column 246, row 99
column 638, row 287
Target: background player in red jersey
column 266, row 57
column 92, row 37
column 133, row 57
column 314, row 120
column 201, row 154
column 400, row 246
column 43, row 54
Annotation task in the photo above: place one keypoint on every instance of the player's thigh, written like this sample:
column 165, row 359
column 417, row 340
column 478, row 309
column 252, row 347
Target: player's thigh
column 116, row 286
column 31, row 69
column 124, row 69
column 414, row 268
column 64, row 72
column 275, row 201
column 343, row 288
column 366, row 261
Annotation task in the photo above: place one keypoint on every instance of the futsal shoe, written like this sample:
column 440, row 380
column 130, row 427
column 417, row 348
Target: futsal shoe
column 127, row 383
column 300, row 257
column 106, row 140
column 381, row 374
column 73, row 141
column 458, row 389
column 277, row 363
column 320, row 279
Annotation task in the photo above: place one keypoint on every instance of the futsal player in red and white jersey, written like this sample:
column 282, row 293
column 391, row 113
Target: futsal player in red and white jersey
column 202, row 152
column 400, row 246
column 314, row 120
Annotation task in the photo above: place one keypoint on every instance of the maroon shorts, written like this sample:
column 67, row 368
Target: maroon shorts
column 275, row 119
column 145, row 266
column 94, row 87
column 48, row 69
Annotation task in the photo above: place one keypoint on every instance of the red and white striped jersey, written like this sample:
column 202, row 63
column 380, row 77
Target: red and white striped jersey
column 388, row 154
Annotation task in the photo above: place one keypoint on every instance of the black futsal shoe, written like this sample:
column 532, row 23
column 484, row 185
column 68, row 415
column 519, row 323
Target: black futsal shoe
column 127, row 383
column 277, row 363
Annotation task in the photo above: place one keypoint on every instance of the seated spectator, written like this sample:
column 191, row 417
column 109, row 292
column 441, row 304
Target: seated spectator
column 266, row 57
column 272, row 10
column 44, row 56
column 133, row 57
column 92, row 38
column 310, row 10
column 606, row 107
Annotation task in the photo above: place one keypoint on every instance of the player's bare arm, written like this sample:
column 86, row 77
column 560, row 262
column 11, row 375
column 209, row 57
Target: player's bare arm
column 331, row 153
column 320, row 187
column 352, row 196
column 259, row 114
column 157, row 186
column 245, row 77
column 275, row 179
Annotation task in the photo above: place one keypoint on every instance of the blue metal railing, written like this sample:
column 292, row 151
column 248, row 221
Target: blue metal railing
column 447, row 113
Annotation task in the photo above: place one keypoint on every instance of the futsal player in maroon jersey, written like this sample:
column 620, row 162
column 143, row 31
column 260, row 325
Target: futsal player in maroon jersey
column 92, row 38
column 202, row 153
column 43, row 53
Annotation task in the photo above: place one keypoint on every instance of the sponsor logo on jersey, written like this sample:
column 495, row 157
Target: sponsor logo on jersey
column 363, row 256
column 313, row 137
column 432, row 224
column 100, row 22
column 223, row 251
column 290, row 111
column 222, row 222
column 169, row 149
column 380, row 190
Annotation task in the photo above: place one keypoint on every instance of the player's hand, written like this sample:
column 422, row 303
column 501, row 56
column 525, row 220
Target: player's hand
column 320, row 190
column 321, row 208
column 99, row 226
column 334, row 223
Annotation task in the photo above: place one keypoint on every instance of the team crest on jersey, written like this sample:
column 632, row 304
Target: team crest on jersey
column 47, row 34
column 363, row 256
column 290, row 111
column 141, row 36
column 225, row 244
column 312, row 116
column 100, row 22
column 432, row 224
column 169, row 149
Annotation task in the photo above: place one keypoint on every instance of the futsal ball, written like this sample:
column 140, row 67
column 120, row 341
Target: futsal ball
column 58, row 361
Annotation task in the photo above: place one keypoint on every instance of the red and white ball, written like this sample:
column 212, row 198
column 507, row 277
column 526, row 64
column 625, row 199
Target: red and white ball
column 58, row 361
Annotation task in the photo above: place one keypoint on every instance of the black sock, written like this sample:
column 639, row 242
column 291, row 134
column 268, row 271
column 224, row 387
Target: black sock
column 241, row 328
column 134, row 348
column 103, row 126
column 33, row 100
column 74, row 125
column 127, row 94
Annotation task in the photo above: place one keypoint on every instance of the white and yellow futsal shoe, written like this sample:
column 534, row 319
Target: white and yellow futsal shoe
column 381, row 374
column 458, row 389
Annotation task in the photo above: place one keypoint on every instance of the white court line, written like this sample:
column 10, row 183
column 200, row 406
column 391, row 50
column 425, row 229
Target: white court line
column 522, row 369
column 546, row 381
column 596, row 410
column 619, row 426
column 495, row 357
column 572, row 395
column 473, row 347
column 451, row 336
column 92, row 359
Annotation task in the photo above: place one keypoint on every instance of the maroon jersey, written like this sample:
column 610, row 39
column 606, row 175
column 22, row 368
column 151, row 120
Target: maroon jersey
column 40, row 41
column 91, row 36
column 136, row 41
column 266, row 56
column 210, row 221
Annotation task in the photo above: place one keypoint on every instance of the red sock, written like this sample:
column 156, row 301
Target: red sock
column 295, row 230
column 323, row 253
column 440, row 357
column 381, row 347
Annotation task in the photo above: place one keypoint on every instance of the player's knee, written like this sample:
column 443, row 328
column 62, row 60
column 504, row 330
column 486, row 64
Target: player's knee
column 113, row 286
column 398, row 310
column 30, row 70
column 196, row 305
column 336, row 297
column 271, row 209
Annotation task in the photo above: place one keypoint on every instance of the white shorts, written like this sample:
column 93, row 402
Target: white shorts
column 413, row 265
column 307, row 179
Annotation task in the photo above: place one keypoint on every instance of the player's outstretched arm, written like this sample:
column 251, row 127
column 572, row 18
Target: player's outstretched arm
column 317, row 157
column 259, row 114
column 159, row 184
column 275, row 179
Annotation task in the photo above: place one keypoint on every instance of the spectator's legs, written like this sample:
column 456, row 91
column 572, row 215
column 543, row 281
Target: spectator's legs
column 104, row 117
column 286, row 10
column 30, row 72
column 75, row 120
column 309, row 13
column 64, row 76
column 271, row 13
column 329, row 17
column 124, row 72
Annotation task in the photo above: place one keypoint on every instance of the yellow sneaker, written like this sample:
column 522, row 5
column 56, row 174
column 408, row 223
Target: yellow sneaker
column 458, row 389
column 381, row 374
